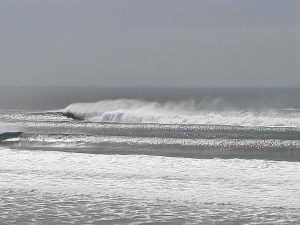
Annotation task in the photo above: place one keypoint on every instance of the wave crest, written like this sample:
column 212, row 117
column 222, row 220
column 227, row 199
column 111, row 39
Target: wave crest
column 8, row 131
column 185, row 112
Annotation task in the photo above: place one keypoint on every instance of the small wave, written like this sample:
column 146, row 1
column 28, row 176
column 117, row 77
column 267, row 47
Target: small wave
column 271, row 149
column 9, row 135
column 8, row 131
column 185, row 112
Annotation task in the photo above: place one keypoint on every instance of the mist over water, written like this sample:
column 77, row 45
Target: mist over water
column 214, row 112
column 51, row 98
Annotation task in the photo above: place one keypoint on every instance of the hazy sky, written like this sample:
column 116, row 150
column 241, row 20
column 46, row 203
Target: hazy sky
column 150, row 42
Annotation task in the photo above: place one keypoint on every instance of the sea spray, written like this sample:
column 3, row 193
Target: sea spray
column 213, row 112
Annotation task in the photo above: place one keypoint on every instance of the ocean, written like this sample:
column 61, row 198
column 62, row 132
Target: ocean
column 149, row 155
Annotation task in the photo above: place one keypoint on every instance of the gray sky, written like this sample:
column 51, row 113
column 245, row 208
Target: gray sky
column 150, row 42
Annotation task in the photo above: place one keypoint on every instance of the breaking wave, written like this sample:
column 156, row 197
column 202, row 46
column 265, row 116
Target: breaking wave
column 185, row 112
column 8, row 131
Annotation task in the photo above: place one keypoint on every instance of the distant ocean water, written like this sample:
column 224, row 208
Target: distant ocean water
column 142, row 155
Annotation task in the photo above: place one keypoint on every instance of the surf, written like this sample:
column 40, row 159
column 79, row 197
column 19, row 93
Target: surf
column 9, row 135
column 213, row 112
column 8, row 131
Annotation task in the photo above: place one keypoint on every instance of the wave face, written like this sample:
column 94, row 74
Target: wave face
column 8, row 131
column 213, row 112
column 9, row 135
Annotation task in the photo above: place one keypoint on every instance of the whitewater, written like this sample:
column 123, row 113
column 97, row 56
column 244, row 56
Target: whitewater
column 185, row 112
column 57, row 187
column 94, row 156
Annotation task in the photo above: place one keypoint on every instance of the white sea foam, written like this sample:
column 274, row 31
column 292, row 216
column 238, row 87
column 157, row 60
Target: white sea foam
column 185, row 112
column 181, row 179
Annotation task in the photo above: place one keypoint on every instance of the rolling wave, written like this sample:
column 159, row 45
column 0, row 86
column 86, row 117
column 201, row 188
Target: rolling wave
column 271, row 149
column 9, row 135
column 8, row 131
column 185, row 112
column 183, row 143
